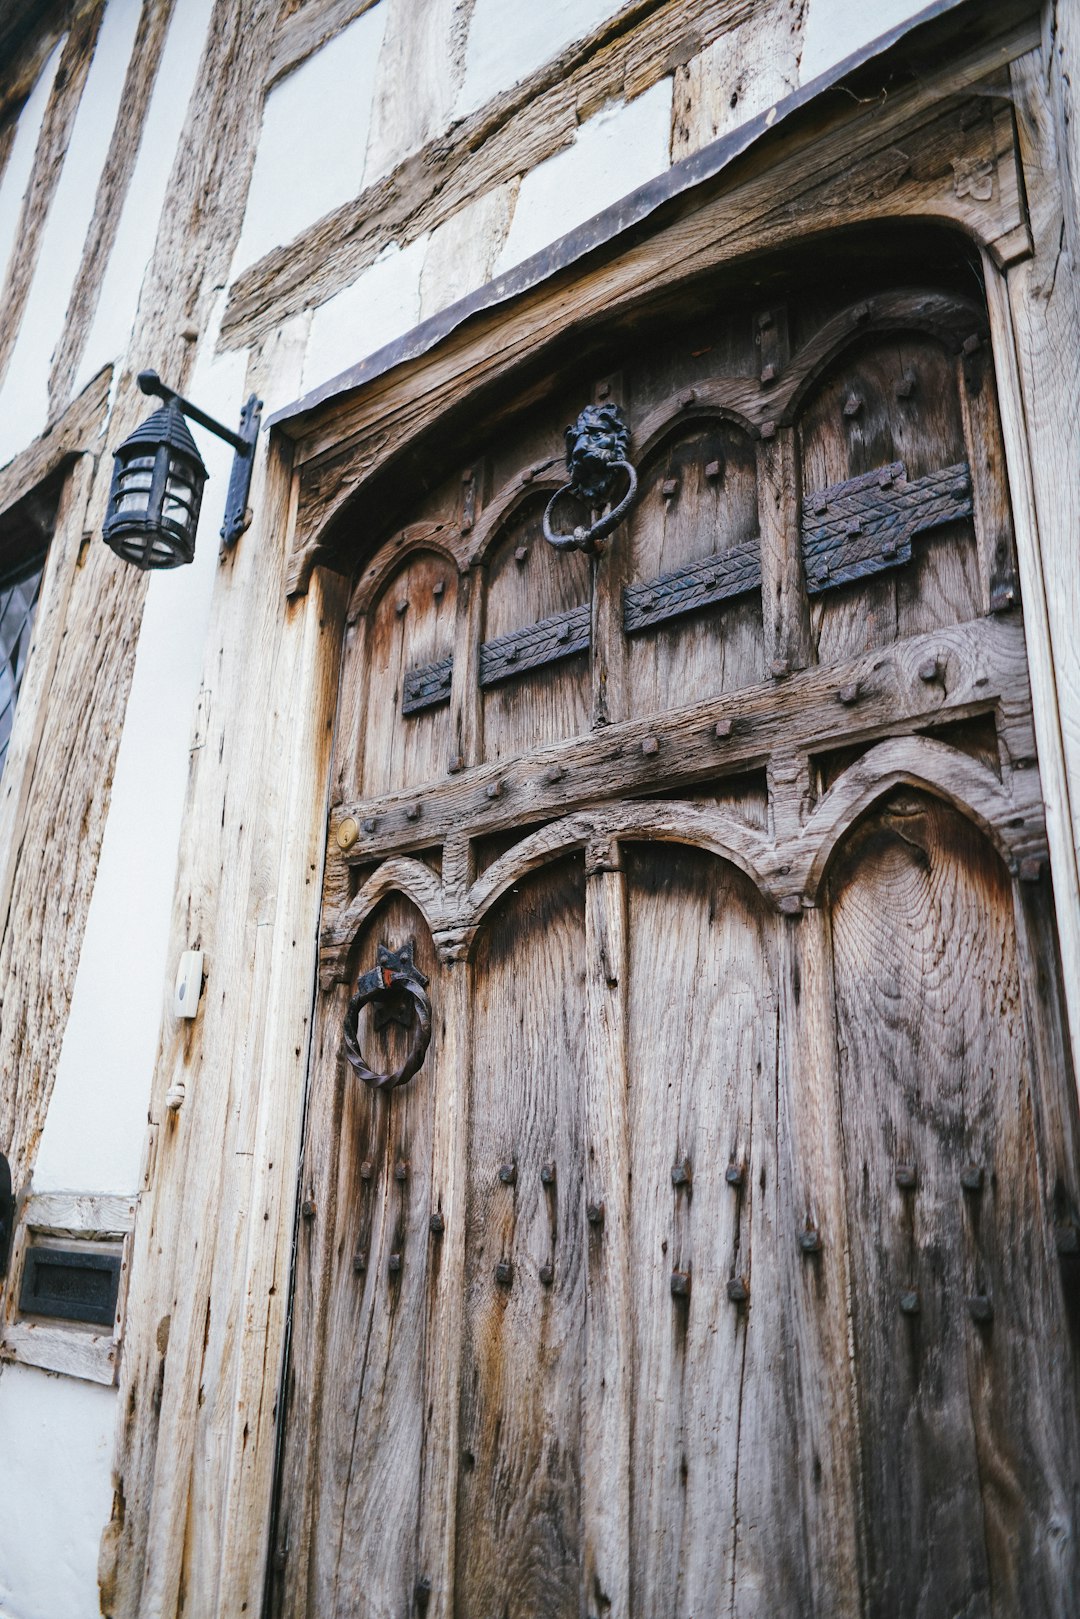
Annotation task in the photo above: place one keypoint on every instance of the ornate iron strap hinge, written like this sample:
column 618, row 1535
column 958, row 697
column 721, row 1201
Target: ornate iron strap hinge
column 397, row 988
column 596, row 453
column 866, row 525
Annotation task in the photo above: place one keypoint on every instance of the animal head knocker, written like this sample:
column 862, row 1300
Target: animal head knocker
column 597, row 447
column 397, row 989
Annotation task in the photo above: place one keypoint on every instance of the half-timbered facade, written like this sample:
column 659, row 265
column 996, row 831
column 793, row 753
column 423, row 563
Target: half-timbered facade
column 613, row 809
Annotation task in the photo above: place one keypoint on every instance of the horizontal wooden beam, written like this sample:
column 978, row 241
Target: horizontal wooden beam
column 940, row 676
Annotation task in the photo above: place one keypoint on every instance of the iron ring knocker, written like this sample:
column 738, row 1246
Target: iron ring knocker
column 596, row 452
column 586, row 539
column 395, row 972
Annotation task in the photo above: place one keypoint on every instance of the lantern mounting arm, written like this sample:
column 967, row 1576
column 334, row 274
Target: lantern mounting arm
column 237, row 516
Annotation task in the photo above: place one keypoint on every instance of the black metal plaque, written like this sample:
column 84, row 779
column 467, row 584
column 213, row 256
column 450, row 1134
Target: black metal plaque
column 71, row 1284
column 547, row 642
column 866, row 525
column 735, row 572
column 427, row 687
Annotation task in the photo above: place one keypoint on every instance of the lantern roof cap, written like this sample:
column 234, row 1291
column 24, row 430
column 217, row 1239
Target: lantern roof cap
column 165, row 426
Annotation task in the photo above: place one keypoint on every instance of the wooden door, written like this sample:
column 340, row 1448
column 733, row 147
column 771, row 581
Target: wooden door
column 722, row 1256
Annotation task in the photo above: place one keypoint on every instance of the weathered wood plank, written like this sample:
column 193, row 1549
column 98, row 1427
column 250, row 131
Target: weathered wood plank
column 607, row 1393
column 519, row 1490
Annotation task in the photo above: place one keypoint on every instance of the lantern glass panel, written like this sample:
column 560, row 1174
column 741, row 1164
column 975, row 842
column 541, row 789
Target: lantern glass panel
column 134, row 484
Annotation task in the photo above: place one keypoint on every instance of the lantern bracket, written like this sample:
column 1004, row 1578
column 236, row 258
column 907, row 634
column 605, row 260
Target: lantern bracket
column 243, row 442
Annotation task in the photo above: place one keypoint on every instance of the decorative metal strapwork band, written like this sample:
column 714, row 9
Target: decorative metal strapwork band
column 850, row 531
column 397, row 988
column 596, row 453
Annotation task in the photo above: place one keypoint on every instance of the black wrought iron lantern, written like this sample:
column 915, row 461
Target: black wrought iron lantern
column 158, row 481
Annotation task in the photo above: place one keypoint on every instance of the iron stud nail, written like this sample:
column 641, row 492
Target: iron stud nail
column 888, row 548
column 779, row 668
column 401, row 608
column 1031, row 868
column 436, row 1225
column 395, row 1264
column 563, row 632
column 680, row 1173
column 820, row 506
column 307, row 1208
column 791, row 905
column 281, row 1557
column 713, row 469
column 929, row 669
column 594, row 1213
column 669, row 488
column 810, row 1240
column 504, row 1273
column 722, row 730
column 980, row 1307
column 906, row 1176
column 861, row 312
column 972, row 344
column 455, row 764
column 412, row 812
column 650, row 746
column 737, row 1290
column 765, row 320
column 359, row 1263
column 493, row 789
column 972, row 1177
column 886, row 478
column 547, row 1275
column 848, row 694
column 768, row 373
column 603, row 390
column 366, row 1169
column 733, row 1174
column 401, row 1170
column 508, row 1174
column 547, row 1174
column 422, row 1592
column 438, row 588
column 688, row 398
column 710, row 581
column 680, row 1284
column 906, row 386
column 521, row 553
column 852, row 404
column 909, row 1303
column 768, row 430
column 853, row 528
column 511, row 654
column 554, row 773
column 369, row 824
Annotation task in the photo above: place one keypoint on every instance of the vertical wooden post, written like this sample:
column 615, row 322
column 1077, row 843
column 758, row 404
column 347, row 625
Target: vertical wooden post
column 812, row 1173
column 446, row 1289
column 784, row 609
column 608, row 1333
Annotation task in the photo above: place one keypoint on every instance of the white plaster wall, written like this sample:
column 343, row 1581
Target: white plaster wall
column 382, row 304
column 314, row 138
column 509, row 39
column 619, row 149
column 24, row 403
column 836, row 29
column 56, row 1439
column 21, row 158
column 136, row 233
column 96, row 1124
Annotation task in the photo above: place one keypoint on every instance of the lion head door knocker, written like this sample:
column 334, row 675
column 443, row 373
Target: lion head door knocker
column 596, row 451
column 396, row 988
